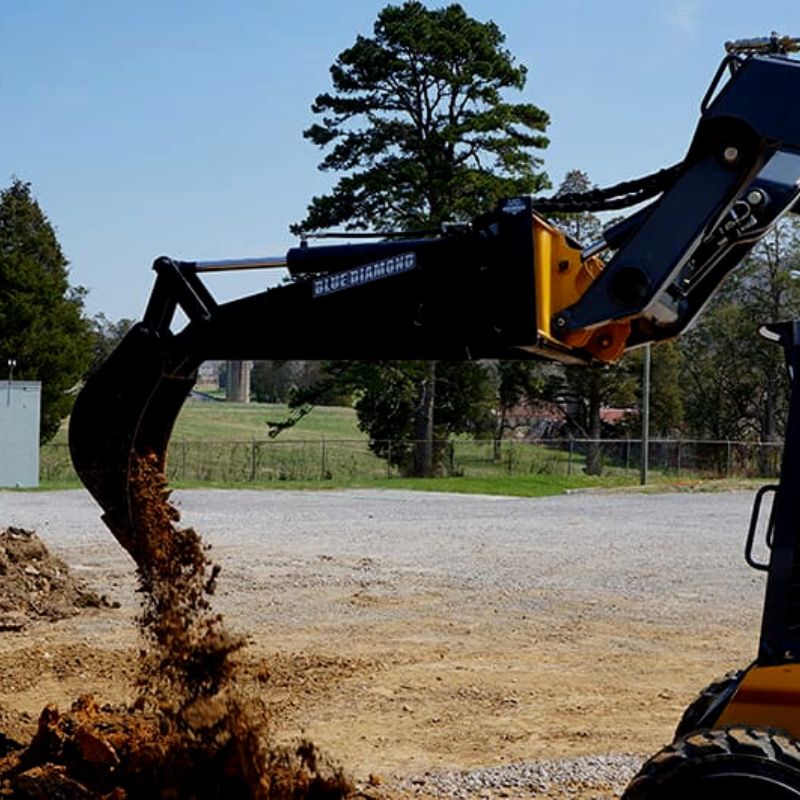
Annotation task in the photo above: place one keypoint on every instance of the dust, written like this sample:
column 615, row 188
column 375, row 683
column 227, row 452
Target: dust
column 191, row 733
column 35, row 584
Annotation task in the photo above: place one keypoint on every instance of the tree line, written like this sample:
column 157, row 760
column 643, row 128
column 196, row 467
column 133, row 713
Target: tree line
column 420, row 128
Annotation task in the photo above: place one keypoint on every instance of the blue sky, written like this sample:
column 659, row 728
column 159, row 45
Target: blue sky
column 175, row 128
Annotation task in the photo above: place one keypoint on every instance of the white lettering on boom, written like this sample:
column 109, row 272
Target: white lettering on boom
column 388, row 267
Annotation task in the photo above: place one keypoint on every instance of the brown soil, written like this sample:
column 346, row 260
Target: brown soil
column 395, row 701
column 34, row 584
column 190, row 733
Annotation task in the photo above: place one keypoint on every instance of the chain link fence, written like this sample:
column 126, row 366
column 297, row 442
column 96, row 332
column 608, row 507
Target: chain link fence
column 265, row 461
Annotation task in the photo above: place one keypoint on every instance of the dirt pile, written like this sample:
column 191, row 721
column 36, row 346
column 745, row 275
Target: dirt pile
column 34, row 584
column 93, row 753
column 190, row 734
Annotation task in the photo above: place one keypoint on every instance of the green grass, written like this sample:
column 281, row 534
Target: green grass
column 226, row 445
column 222, row 422
column 230, row 421
column 511, row 485
column 507, row 485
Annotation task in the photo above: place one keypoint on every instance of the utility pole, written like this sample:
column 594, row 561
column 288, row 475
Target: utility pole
column 645, row 417
column 12, row 362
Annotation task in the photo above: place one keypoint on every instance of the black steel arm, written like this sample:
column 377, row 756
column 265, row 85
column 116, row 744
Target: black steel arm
column 469, row 295
column 742, row 172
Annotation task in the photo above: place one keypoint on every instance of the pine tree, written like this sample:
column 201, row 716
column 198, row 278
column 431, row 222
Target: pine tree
column 42, row 325
column 418, row 124
column 419, row 127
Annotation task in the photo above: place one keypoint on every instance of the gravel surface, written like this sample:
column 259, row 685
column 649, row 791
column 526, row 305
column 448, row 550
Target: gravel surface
column 660, row 550
column 656, row 559
column 606, row 774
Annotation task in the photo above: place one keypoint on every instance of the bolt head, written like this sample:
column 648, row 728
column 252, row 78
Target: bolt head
column 756, row 197
column 730, row 154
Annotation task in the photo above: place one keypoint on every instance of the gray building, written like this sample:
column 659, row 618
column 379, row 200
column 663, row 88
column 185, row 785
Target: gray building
column 20, row 403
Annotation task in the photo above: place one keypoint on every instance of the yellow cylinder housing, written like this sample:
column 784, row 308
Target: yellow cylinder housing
column 561, row 278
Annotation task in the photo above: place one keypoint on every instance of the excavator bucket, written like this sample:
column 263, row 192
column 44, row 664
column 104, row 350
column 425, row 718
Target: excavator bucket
column 126, row 412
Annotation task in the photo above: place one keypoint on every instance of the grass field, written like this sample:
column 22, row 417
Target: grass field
column 218, row 444
column 221, row 422
column 225, row 421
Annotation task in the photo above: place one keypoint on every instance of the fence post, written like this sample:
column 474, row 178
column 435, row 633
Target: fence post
column 678, row 465
column 644, row 466
column 627, row 454
column 323, row 465
column 569, row 458
column 389, row 459
column 252, row 459
column 728, row 459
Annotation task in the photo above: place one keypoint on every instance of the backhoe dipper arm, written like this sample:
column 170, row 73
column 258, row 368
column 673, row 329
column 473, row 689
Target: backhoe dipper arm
column 508, row 285
column 740, row 175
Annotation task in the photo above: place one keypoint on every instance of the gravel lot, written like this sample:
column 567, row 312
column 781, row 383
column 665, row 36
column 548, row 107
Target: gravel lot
column 673, row 554
column 650, row 590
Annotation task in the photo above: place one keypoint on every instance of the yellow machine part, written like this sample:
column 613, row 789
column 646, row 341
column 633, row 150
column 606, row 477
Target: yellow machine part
column 767, row 697
column 561, row 279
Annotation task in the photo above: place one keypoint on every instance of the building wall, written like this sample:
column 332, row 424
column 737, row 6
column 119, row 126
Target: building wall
column 208, row 373
column 19, row 433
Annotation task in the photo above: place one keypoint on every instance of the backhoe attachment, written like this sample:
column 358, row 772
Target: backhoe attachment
column 466, row 294
column 509, row 285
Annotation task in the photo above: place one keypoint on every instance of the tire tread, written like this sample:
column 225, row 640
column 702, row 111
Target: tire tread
column 736, row 740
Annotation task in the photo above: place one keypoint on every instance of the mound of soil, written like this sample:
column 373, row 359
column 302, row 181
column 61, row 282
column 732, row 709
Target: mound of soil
column 34, row 584
column 190, row 734
column 93, row 753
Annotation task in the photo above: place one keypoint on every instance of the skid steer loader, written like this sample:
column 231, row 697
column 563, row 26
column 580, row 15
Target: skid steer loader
column 512, row 285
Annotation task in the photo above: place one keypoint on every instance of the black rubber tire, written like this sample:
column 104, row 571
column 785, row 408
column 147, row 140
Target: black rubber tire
column 728, row 763
column 714, row 696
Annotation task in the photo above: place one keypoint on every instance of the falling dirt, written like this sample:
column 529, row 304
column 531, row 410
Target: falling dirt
column 191, row 733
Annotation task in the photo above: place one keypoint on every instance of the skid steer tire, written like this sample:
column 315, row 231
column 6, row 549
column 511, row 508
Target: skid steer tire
column 729, row 763
column 705, row 709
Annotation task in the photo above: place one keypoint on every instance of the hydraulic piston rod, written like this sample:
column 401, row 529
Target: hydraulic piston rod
column 232, row 264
